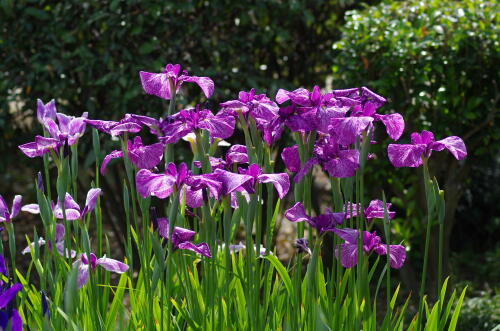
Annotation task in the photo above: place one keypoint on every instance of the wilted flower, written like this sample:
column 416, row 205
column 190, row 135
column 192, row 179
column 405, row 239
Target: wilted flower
column 60, row 231
column 422, row 145
column 83, row 265
column 371, row 243
column 326, row 222
column 159, row 84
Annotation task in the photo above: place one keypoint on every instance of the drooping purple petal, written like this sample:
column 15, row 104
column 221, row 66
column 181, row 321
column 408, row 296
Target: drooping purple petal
column 344, row 165
column 202, row 248
column 150, row 184
column 9, row 294
column 16, row 321
column 40, row 146
column 145, row 157
column 297, row 213
column 206, row 84
column 396, row 252
column 348, row 255
column 406, row 155
column 125, row 127
column 376, row 210
column 219, row 126
column 71, row 214
column 394, row 124
column 230, row 181
column 324, row 117
column 83, row 274
column 454, row 144
column 156, row 84
column 91, row 200
column 113, row 155
column 280, row 181
column 349, row 235
column 112, row 265
column 346, row 130
column 291, row 158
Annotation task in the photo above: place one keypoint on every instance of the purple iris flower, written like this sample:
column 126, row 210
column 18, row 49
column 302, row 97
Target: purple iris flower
column 181, row 238
column 281, row 181
column 422, row 145
column 127, row 124
column 72, row 209
column 363, row 114
column 262, row 109
column 374, row 210
column 336, row 160
column 187, row 121
column 5, row 214
column 371, row 243
column 109, row 264
column 60, row 231
column 141, row 156
column 159, row 83
column 7, row 293
column 67, row 129
column 237, row 154
column 178, row 179
column 309, row 110
column 326, row 222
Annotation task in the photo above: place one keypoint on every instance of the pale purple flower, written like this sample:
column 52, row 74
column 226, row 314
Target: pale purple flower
column 187, row 121
column 60, row 231
column 141, row 156
column 44, row 111
column 374, row 210
column 422, row 145
column 128, row 124
column 182, row 238
column 326, row 222
column 159, row 83
column 72, row 209
column 40, row 146
column 371, row 243
column 7, row 215
column 84, row 265
column 281, row 181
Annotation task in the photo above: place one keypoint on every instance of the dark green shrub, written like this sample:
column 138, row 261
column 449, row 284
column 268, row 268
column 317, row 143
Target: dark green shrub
column 437, row 62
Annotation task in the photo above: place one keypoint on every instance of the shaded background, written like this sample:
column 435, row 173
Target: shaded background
column 436, row 61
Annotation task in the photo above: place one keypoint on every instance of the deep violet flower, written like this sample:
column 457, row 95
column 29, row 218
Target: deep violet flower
column 159, row 83
column 374, row 210
column 72, row 209
column 141, row 156
column 422, row 145
column 109, row 264
column 7, row 293
column 181, row 238
column 5, row 214
column 236, row 154
column 60, row 231
column 336, row 160
column 281, row 181
column 371, row 243
column 187, row 121
column 127, row 124
column 326, row 222
column 302, row 245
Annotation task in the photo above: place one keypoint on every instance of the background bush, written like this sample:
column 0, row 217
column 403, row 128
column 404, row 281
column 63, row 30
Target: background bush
column 437, row 62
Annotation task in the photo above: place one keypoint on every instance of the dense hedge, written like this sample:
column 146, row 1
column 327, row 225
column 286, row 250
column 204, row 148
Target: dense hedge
column 437, row 61
column 87, row 54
